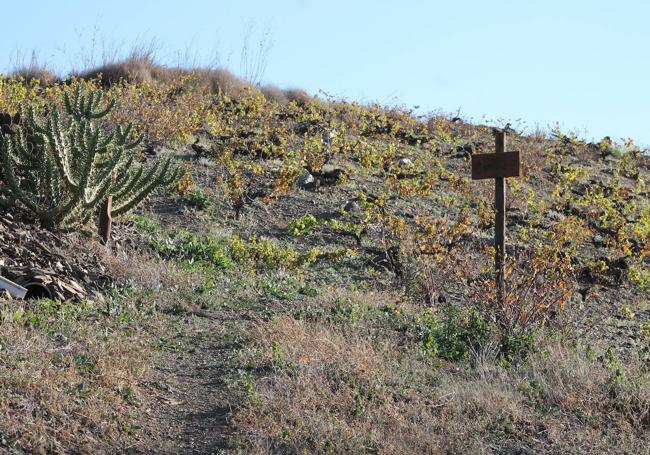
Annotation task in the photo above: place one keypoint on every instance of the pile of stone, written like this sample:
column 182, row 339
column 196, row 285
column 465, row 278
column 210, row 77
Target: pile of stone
column 32, row 257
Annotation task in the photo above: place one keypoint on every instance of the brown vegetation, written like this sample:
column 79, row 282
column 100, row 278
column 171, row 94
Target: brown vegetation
column 329, row 389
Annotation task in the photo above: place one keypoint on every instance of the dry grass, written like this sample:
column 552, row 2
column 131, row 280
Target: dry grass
column 34, row 72
column 142, row 68
column 334, row 392
column 274, row 93
column 66, row 382
column 137, row 267
column 332, row 387
column 70, row 371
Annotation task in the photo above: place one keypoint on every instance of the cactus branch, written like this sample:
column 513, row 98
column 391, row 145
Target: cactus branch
column 63, row 167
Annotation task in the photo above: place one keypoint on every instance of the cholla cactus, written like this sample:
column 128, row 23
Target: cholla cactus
column 62, row 169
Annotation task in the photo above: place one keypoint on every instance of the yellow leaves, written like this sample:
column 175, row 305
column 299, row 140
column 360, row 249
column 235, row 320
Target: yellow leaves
column 162, row 111
column 313, row 153
column 397, row 225
column 186, row 182
column 627, row 312
column 287, row 174
column 645, row 330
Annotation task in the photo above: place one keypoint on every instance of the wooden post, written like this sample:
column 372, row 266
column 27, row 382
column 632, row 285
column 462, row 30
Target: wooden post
column 500, row 224
column 106, row 219
column 498, row 166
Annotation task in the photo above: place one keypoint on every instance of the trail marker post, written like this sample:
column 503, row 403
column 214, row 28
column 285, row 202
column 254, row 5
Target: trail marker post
column 498, row 166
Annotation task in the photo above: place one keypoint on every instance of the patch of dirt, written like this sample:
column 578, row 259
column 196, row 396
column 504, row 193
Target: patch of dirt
column 188, row 405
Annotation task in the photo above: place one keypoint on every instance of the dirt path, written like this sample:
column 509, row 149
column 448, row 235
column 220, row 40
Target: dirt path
column 187, row 404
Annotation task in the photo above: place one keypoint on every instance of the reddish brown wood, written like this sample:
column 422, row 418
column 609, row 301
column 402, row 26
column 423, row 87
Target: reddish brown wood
column 496, row 165
column 106, row 219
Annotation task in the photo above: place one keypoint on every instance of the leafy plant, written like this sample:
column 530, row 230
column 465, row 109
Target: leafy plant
column 192, row 248
column 199, row 198
column 303, row 225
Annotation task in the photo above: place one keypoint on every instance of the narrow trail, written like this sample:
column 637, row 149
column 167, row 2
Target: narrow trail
column 188, row 405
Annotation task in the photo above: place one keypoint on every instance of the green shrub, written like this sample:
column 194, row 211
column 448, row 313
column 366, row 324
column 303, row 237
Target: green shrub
column 192, row 248
column 303, row 225
column 455, row 336
column 226, row 252
column 199, row 198
column 640, row 277
column 270, row 255
column 458, row 333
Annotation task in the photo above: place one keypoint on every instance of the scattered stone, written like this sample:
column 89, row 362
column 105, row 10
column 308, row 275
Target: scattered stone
column 328, row 135
column 464, row 151
column 352, row 206
column 305, row 180
column 581, row 189
column 151, row 148
column 200, row 149
column 554, row 215
column 405, row 162
column 329, row 177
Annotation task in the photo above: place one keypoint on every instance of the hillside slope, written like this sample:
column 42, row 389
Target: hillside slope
column 320, row 281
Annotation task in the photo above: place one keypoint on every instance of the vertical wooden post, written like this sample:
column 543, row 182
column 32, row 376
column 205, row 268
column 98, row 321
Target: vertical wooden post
column 500, row 224
column 106, row 219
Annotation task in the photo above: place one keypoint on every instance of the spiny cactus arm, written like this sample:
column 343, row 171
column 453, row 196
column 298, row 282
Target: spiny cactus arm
column 104, row 112
column 87, row 107
column 126, row 185
column 85, row 169
column 126, row 174
column 32, row 123
column 130, row 196
column 105, row 143
column 157, row 176
column 6, row 201
column 98, row 141
column 71, row 106
column 22, row 150
column 100, row 195
column 59, row 148
column 123, row 136
column 53, row 184
column 92, row 138
column 108, row 167
column 6, row 153
column 58, row 214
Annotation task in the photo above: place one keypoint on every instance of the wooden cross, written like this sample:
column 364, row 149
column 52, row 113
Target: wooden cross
column 498, row 166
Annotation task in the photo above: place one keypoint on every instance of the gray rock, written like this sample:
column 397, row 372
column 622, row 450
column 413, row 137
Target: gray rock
column 554, row 215
column 305, row 180
column 352, row 206
column 328, row 135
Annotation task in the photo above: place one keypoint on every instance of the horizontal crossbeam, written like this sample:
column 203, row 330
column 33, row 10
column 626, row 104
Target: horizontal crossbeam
column 495, row 165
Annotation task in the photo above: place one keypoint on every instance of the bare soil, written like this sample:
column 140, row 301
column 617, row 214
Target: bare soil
column 188, row 405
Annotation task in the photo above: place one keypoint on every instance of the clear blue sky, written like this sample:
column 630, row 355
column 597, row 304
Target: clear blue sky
column 584, row 64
